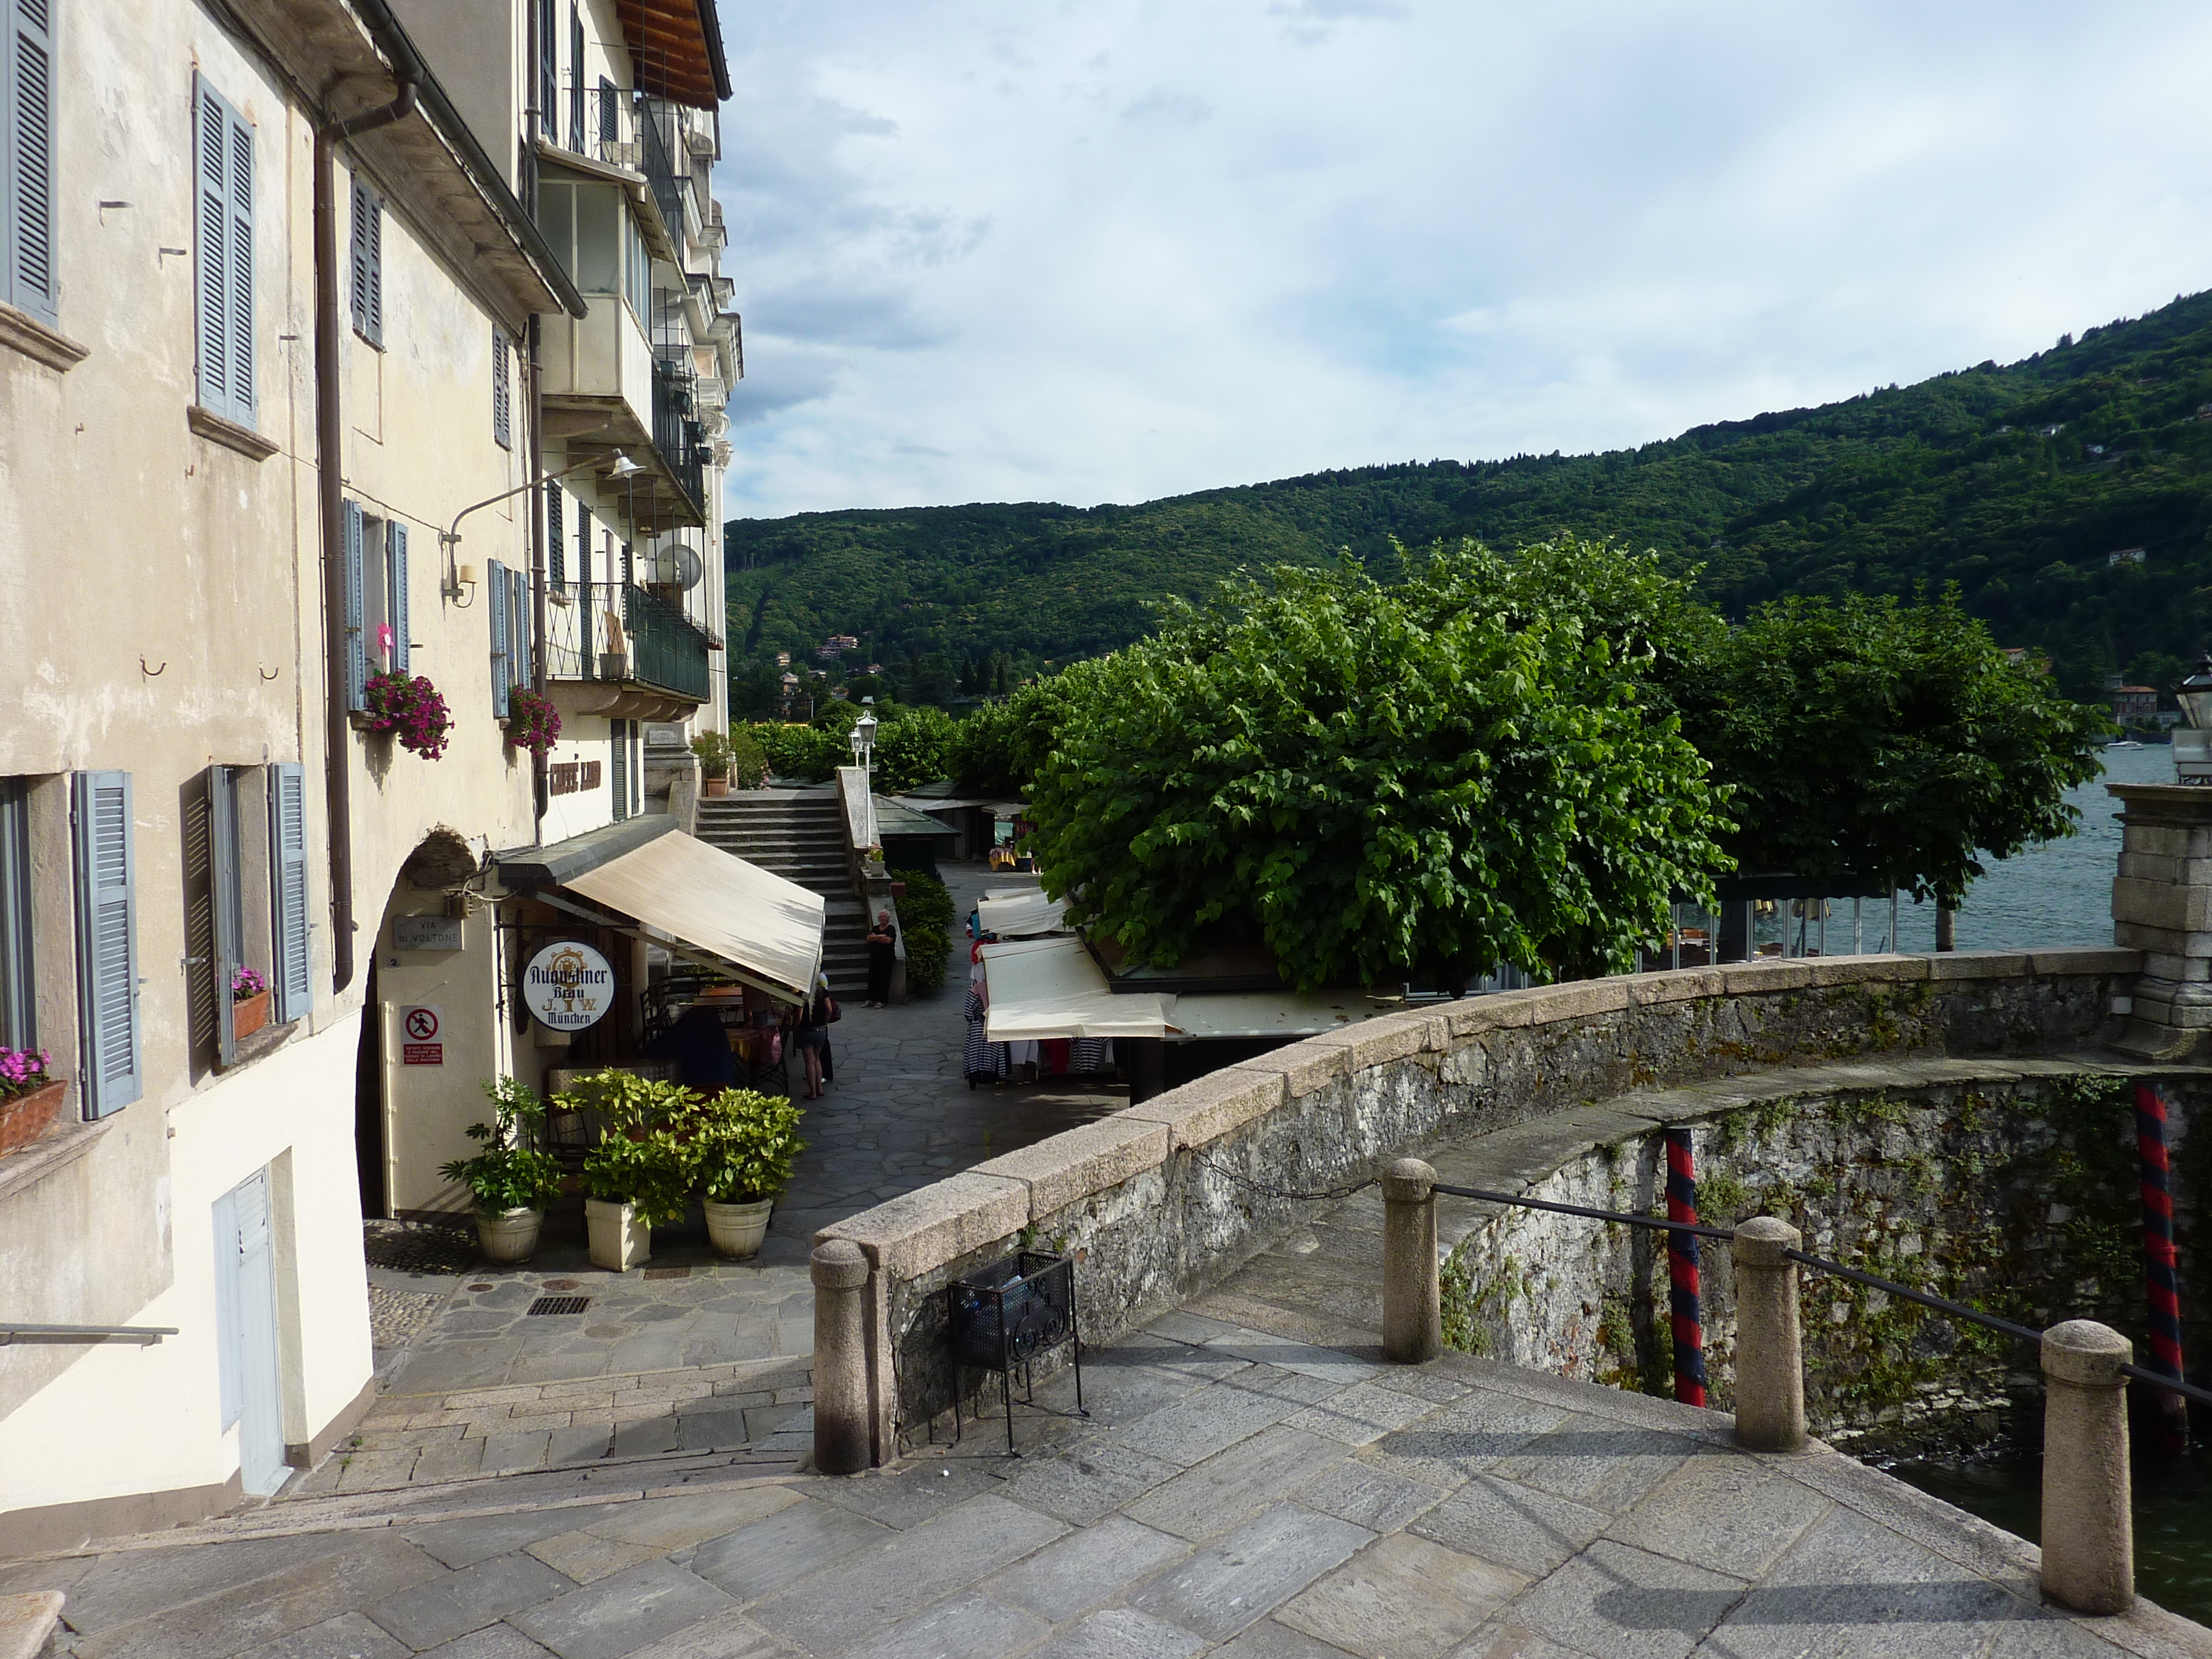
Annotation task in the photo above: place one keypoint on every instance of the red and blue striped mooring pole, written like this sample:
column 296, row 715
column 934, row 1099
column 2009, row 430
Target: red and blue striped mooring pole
column 2161, row 1287
column 1682, row 1295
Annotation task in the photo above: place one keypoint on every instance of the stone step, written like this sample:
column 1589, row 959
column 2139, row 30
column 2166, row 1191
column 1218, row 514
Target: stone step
column 27, row 1622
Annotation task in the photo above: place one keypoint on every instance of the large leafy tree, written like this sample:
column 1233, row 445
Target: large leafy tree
column 1865, row 736
column 1381, row 783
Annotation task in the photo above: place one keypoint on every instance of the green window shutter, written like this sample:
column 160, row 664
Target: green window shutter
column 26, row 106
column 356, row 612
column 619, row 776
column 19, row 1003
column 518, row 626
column 211, row 254
column 288, row 883
column 113, row 1071
column 395, row 555
column 367, row 263
column 225, row 899
column 575, row 79
column 556, row 554
column 501, row 675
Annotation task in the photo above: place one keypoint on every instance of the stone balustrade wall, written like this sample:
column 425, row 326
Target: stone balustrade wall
column 1161, row 1200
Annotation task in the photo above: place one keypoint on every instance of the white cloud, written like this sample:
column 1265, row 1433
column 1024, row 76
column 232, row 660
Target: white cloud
column 1117, row 250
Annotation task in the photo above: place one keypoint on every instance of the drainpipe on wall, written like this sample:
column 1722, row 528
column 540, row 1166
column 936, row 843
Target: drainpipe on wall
column 534, row 414
column 330, row 432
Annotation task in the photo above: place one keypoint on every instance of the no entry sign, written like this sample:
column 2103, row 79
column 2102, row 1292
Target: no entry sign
column 420, row 1044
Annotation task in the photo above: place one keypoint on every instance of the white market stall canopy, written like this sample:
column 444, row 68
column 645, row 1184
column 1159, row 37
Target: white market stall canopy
column 1019, row 914
column 765, row 930
column 1051, row 987
column 1044, row 988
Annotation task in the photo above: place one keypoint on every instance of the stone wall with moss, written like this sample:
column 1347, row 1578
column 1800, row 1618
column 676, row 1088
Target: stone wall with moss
column 2016, row 1193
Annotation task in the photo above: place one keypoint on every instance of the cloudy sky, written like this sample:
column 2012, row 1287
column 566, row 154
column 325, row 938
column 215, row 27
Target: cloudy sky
column 1121, row 249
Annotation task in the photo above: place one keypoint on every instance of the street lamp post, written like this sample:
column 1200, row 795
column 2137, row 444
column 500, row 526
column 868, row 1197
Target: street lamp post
column 2192, row 744
column 864, row 752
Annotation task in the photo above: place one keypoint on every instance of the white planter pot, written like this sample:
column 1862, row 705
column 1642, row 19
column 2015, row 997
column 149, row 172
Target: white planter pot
column 619, row 1240
column 510, row 1235
column 738, row 1229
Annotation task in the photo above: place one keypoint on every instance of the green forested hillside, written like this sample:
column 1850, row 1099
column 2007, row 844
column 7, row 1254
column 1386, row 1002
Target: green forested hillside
column 1957, row 479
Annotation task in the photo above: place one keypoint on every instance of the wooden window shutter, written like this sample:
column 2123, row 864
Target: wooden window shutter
column 618, row 777
column 211, row 257
column 287, row 883
column 609, row 114
column 548, row 65
column 556, row 552
column 356, row 612
column 395, row 588
column 500, row 675
column 112, row 1069
column 575, row 79
column 367, row 263
column 502, row 391
column 584, row 549
column 226, row 900
column 27, row 102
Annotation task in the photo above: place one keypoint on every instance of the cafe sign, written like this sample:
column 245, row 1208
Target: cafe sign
column 568, row 986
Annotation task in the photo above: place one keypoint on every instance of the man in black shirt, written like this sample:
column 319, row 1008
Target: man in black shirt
column 882, row 953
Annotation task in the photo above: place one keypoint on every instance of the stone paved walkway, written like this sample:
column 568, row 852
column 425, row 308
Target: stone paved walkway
column 1235, row 1491
column 467, row 1373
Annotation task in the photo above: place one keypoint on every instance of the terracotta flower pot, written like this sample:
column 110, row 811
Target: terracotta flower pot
column 248, row 1015
column 736, row 1229
column 717, row 788
column 23, row 1118
column 510, row 1235
column 619, row 1241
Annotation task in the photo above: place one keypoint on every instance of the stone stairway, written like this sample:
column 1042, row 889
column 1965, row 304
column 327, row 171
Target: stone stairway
column 800, row 836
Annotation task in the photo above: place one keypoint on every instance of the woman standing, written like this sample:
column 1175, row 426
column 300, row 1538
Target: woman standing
column 883, row 957
column 812, row 1034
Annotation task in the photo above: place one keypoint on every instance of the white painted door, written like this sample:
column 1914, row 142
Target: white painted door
column 245, row 1314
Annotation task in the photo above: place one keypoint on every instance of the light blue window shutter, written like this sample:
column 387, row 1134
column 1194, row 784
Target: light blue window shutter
column 224, row 899
column 367, row 263
column 228, row 1364
column 619, row 776
column 502, row 391
column 240, row 286
column 211, row 261
column 287, row 880
column 500, row 679
column 112, row 1068
column 28, row 100
column 355, row 610
column 395, row 554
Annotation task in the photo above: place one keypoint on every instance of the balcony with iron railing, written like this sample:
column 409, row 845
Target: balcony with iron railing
column 626, row 129
column 618, row 635
column 676, row 429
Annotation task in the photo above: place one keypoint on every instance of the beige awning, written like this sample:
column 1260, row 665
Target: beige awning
column 1050, row 987
column 1017, row 916
column 699, row 901
column 1271, row 1013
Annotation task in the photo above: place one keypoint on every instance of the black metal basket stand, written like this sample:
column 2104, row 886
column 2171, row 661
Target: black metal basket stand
column 1006, row 1313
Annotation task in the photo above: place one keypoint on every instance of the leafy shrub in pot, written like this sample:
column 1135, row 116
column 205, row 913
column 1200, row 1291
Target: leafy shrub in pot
column 741, row 1148
column 510, row 1179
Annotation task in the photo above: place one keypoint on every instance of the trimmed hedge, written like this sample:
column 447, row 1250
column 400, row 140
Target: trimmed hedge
column 925, row 913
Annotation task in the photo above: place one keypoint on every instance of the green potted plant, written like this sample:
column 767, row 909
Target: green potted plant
column 741, row 1149
column 29, row 1095
column 510, row 1179
column 713, row 749
column 637, row 1176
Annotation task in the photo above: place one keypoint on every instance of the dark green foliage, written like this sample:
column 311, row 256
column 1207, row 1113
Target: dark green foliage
column 1863, row 736
column 1878, row 495
column 926, row 914
column 913, row 746
column 511, row 1173
column 999, row 748
column 748, row 759
column 799, row 754
column 1383, row 783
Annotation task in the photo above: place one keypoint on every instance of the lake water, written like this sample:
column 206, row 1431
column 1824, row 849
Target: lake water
column 2050, row 897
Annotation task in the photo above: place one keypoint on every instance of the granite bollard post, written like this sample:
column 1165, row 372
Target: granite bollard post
column 1770, row 1356
column 843, row 1439
column 2088, row 1530
column 1413, row 1306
